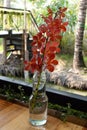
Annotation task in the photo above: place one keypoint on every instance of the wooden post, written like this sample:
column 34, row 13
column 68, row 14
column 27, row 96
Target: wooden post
column 26, row 73
column 26, row 55
column 4, row 50
column 5, row 17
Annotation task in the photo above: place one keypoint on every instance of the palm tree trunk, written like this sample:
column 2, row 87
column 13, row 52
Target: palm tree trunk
column 78, row 60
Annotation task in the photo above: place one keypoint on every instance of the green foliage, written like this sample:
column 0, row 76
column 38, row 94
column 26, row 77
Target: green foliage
column 65, row 57
column 67, row 111
column 14, row 93
column 71, row 14
column 67, row 43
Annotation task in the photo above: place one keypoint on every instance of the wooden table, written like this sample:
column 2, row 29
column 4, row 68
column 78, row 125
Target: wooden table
column 15, row 117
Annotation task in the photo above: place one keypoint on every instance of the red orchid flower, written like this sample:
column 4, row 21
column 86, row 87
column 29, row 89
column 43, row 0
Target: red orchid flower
column 45, row 43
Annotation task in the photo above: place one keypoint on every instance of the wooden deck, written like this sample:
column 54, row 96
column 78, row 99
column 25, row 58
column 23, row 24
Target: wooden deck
column 15, row 117
column 5, row 33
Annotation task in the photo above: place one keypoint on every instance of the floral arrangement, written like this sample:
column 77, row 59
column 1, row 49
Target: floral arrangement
column 45, row 45
column 46, row 42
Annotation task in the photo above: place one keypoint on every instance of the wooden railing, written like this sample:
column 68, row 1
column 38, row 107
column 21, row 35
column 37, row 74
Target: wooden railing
column 14, row 21
column 11, row 18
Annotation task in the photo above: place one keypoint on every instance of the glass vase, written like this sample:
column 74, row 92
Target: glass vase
column 38, row 101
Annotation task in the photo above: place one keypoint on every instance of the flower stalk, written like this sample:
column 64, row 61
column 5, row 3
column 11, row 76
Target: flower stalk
column 45, row 45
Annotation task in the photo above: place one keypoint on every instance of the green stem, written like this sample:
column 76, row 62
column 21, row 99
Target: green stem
column 35, row 93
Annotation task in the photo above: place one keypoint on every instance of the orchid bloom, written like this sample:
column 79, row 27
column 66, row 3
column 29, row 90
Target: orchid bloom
column 46, row 42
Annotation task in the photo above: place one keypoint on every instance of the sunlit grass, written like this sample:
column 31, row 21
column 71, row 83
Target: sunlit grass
column 1, row 48
column 85, row 60
column 66, row 57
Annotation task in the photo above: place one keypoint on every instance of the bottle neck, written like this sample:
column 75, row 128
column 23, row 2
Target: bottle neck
column 39, row 82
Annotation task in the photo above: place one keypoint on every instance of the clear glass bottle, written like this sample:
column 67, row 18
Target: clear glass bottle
column 38, row 101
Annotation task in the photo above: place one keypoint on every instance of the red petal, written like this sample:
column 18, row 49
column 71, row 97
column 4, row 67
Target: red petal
column 65, row 23
column 35, row 38
column 56, row 44
column 50, row 68
column 27, row 67
column 52, row 48
column 42, row 28
column 63, row 28
column 58, row 50
column 25, row 62
column 64, row 9
column 50, row 11
column 63, row 15
column 59, row 37
column 51, row 55
column 55, row 62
